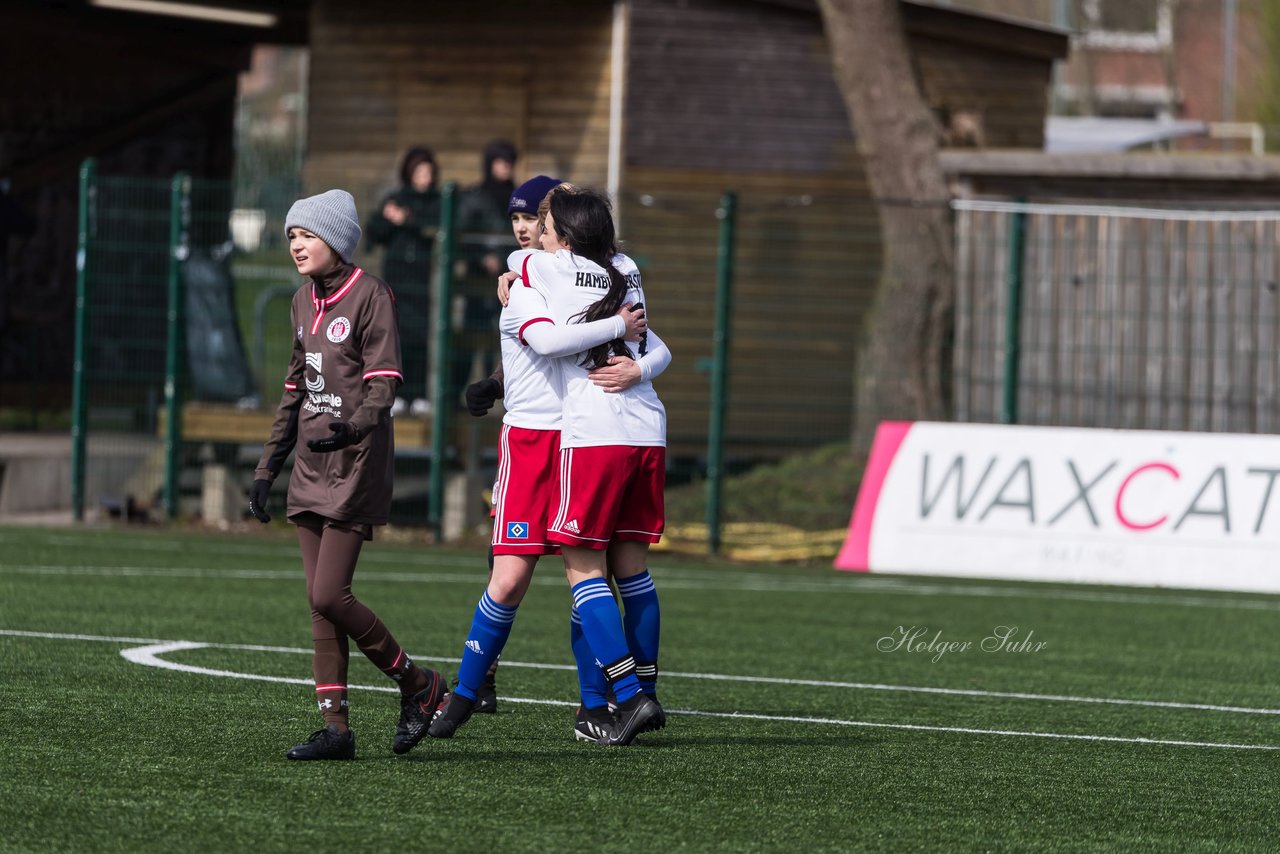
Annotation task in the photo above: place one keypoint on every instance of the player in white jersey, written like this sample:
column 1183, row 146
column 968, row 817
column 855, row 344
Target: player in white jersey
column 612, row 456
column 528, row 456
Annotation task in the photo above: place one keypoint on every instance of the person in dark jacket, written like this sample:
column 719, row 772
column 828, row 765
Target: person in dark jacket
column 484, row 211
column 484, row 240
column 405, row 223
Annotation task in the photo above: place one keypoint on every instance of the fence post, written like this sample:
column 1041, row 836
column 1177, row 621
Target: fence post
column 720, row 367
column 179, row 227
column 441, row 339
column 1013, row 318
column 80, row 406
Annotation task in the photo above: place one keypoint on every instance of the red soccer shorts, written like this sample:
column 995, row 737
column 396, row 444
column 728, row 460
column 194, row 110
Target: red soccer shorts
column 613, row 492
column 525, row 491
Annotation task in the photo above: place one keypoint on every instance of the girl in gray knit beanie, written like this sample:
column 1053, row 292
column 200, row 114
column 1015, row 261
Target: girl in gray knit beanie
column 331, row 216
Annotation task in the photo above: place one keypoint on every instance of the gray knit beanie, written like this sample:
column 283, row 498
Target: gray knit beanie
column 331, row 216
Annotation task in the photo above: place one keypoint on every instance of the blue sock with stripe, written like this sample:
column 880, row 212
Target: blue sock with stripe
column 490, row 629
column 602, row 626
column 642, row 623
column 591, row 681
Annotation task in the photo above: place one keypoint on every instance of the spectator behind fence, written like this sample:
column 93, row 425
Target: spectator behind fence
column 484, row 239
column 484, row 210
column 405, row 223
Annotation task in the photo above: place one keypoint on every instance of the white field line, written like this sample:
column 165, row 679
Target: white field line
column 705, row 677
column 150, row 656
column 551, row 577
column 974, row 731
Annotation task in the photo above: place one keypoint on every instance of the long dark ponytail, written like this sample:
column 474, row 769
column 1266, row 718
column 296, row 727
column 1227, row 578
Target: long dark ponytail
column 583, row 219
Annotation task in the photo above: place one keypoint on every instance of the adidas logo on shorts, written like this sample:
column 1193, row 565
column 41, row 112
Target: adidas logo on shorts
column 572, row 527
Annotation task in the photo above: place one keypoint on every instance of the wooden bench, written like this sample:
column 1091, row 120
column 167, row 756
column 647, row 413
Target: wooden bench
column 227, row 424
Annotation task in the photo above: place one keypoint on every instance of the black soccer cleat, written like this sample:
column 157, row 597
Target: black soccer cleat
column 658, row 721
column 486, row 700
column 455, row 712
column 634, row 716
column 325, row 743
column 416, row 713
column 594, row 725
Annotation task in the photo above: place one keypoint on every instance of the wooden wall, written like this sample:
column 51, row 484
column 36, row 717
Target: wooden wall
column 1161, row 321
column 738, row 95
column 1134, row 322
column 387, row 75
column 804, row 267
column 986, row 78
column 720, row 94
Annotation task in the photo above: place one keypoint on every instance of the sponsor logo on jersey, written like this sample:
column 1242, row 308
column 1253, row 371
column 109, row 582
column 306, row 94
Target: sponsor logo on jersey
column 517, row 530
column 339, row 330
column 323, row 402
column 314, row 362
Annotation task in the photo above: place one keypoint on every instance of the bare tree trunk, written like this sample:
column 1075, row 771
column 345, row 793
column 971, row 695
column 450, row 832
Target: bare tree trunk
column 903, row 364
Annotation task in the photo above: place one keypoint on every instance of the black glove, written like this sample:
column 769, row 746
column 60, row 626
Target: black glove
column 258, row 500
column 481, row 395
column 343, row 434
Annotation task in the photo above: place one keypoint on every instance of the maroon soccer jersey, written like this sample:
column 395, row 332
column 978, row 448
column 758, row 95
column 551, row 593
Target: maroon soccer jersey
column 345, row 345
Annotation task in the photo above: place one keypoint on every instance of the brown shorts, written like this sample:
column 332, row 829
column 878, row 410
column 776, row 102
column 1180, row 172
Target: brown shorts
column 315, row 520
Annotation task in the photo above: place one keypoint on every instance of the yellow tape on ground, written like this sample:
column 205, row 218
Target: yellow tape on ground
column 754, row 541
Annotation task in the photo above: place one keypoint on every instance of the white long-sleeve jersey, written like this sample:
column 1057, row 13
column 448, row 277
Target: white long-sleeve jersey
column 569, row 284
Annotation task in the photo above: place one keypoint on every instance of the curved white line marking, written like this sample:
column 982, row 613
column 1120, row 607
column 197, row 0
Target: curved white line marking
column 149, row 656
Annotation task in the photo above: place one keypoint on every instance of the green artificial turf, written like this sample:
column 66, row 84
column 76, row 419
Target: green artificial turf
column 794, row 722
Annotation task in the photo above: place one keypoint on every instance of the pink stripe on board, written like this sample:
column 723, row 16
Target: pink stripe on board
column 856, row 553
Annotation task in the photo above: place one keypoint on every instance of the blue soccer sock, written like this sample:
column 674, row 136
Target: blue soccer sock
column 642, row 622
column 490, row 629
column 591, row 682
column 602, row 626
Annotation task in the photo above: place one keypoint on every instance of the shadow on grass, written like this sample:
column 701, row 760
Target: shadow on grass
column 643, row 744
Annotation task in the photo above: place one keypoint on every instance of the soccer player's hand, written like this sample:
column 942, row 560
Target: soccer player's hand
column 343, row 434
column 504, row 286
column 637, row 323
column 619, row 375
column 481, row 394
column 258, row 500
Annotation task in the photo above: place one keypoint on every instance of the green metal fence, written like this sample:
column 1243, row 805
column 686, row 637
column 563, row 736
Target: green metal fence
column 121, row 323
column 1072, row 316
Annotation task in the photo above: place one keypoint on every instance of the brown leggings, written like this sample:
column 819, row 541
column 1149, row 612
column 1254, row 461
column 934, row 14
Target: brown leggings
column 329, row 557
